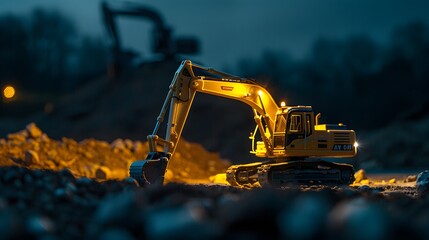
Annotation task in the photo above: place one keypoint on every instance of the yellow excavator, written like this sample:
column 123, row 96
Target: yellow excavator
column 292, row 141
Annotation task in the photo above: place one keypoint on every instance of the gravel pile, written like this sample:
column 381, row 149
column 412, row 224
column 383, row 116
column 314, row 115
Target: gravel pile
column 91, row 158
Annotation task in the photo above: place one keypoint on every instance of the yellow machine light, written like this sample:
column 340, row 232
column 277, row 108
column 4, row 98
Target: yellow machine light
column 260, row 93
column 356, row 144
column 9, row 92
column 282, row 104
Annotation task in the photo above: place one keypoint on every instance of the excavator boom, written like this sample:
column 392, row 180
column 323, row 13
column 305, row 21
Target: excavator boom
column 189, row 79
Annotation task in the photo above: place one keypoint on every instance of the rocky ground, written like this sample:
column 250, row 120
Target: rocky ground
column 63, row 189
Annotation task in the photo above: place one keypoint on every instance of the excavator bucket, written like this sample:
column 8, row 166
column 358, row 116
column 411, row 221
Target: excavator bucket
column 151, row 170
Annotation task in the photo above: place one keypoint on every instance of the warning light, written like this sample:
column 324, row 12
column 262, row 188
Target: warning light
column 260, row 93
column 283, row 104
column 9, row 92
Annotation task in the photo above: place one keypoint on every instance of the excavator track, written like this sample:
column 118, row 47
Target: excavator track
column 238, row 175
column 305, row 172
column 292, row 172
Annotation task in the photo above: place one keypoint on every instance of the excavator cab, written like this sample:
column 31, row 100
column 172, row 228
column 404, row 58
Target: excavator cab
column 298, row 128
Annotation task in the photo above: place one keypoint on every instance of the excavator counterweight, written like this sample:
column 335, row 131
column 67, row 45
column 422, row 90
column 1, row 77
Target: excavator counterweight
column 292, row 139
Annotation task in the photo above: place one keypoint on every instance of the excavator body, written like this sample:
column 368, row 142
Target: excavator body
column 291, row 139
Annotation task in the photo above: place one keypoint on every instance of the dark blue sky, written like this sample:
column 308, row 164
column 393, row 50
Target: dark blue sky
column 234, row 29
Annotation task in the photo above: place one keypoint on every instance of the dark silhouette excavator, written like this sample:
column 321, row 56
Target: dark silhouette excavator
column 163, row 41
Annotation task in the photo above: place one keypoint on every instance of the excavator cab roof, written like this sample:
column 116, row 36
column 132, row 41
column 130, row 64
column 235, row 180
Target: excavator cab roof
column 286, row 109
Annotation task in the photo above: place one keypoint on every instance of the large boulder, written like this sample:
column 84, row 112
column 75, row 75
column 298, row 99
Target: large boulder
column 422, row 183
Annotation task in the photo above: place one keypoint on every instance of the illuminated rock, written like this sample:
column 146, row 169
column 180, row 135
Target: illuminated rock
column 18, row 137
column 411, row 178
column 359, row 176
column 33, row 131
column 365, row 182
column 31, row 157
column 219, row 179
column 118, row 143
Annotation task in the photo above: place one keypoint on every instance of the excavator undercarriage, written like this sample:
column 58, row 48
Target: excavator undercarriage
column 290, row 172
column 267, row 173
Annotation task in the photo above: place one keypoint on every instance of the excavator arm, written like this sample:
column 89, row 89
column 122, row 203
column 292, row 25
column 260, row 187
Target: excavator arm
column 189, row 79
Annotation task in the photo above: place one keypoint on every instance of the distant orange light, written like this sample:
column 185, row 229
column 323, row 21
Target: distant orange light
column 9, row 92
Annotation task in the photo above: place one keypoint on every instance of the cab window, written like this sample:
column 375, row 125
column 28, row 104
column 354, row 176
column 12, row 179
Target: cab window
column 295, row 123
column 308, row 124
column 280, row 124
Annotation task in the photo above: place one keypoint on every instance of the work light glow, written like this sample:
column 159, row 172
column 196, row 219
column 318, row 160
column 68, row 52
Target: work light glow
column 9, row 92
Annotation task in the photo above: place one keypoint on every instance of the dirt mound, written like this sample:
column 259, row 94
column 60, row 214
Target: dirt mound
column 92, row 158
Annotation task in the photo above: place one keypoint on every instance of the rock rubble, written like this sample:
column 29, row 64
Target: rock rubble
column 98, row 159
column 52, row 189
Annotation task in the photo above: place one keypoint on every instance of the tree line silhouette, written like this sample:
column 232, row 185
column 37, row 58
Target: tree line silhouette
column 44, row 52
column 362, row 83
column 357, row 81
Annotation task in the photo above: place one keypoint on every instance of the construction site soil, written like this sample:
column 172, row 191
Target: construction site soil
column 63, row 189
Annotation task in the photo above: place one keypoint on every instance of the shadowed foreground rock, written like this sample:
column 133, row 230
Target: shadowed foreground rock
column 422, row 183
column 55, row 205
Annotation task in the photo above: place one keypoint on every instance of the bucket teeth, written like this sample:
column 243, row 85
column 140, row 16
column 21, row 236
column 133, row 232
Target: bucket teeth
column 149, row 171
